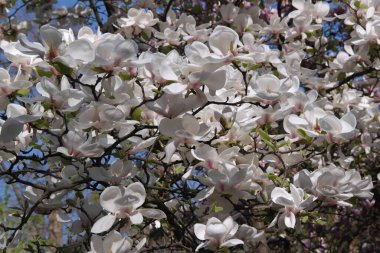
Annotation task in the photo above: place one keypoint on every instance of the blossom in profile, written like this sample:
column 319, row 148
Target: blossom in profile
column 217, row 234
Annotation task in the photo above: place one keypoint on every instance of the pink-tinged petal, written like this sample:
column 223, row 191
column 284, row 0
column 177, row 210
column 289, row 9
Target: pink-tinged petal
column 268, row 83
column 103, row 224
column 297, row 121
column 200, row 231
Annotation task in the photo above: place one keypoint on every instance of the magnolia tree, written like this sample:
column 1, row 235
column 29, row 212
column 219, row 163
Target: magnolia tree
column 183, row 126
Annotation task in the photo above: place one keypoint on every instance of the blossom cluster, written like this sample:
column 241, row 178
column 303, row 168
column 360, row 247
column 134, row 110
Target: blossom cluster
column 184, row 129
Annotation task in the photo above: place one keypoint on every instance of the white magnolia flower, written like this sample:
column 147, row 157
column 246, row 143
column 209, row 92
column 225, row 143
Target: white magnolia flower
column 269, row 88
column 122, row 202
column 114, row 242
column 101, row 116
column 63, row 97
column 224, row 41
column 186, row 131
column 369, row 34
column 114, row 52
column 117, row 172
column 338, row 130
column 217, row 234
column 8, row 86
column 335, row 185
column 139, row 18
column 293, row 202
column 201, row 59
column 54, row 201
column 318, row 10
column 76, row 145
column 229, row 180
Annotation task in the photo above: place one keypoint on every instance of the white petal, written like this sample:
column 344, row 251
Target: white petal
column 51, row 37
column 108, row 197
column 175, row 88
column 152, row 213
column 81, row 50
column 281, row 197
column 290, row 220
column 200, row 231
column 136, row 218
column 231, row 243
column 15, row 110
column 97, row 244
column 10, row 130
column 103, row 224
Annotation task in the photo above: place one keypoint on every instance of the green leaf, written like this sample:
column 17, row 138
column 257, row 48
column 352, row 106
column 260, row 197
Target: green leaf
column 144, row 36
column 97, row 69
column 304, row 219
column 320, row 222
column 304, row 136
column 136, row 114
column 23, row 92
column 62, row 68
column 215, row 208
column 179, row 169
column 42, row 72
column 42, row 124
column 341, row 76
column 125, row 76
column 267, row 139
column 280, row 180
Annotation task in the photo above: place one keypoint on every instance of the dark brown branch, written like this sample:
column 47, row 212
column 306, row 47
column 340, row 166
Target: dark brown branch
column 351, row 77
column 163, row 18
